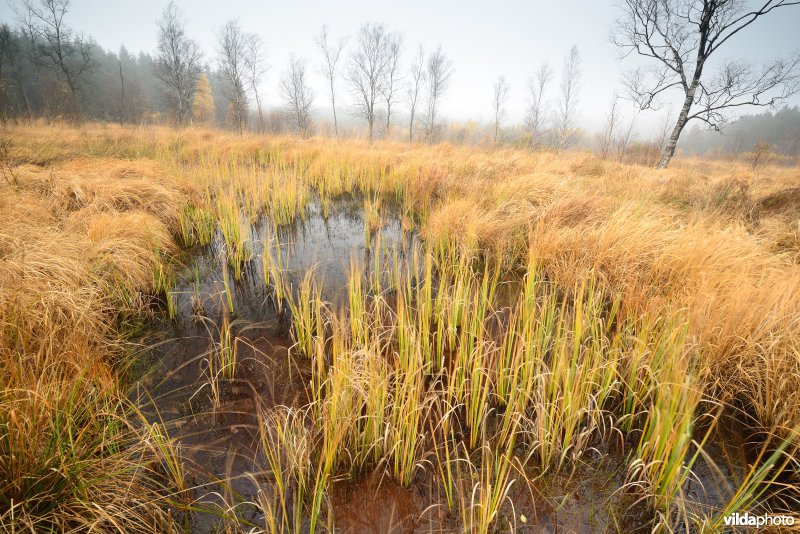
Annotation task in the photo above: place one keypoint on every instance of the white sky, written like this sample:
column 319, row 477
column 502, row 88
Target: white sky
column 484, row 38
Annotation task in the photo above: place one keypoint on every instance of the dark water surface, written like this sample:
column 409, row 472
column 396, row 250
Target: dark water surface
column 222, row 442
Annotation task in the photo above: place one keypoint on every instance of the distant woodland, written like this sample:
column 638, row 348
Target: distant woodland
column 74, row 79
column 780, row 130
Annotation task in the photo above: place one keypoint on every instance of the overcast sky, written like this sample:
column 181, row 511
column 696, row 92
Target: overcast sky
column 485, row 39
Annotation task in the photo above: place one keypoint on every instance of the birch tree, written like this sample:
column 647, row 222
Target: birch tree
column 255, row 64
column 679, row 37
column 298, row 95
column 415, row 86
column 537, row 117
column 391, row 88
column 501, row 89
column 439, row 69
column 565, row 133
column 616, row 135
column 231, row 49
column 331, row 54
column 177, row 63
column 56, row 46
column 366, row 72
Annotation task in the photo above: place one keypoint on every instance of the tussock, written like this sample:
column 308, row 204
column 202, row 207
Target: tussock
column 78, row 247
column 647, row 296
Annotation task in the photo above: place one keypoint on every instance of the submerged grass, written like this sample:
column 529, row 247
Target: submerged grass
column 557, row 306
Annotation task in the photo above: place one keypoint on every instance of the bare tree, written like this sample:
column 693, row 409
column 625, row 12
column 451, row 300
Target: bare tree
column 610, row 126
column 624, row 137
column 331, row 53
column 298, row 95
column 393, row 77
column 501, row 89
column 367, row 70
column 616, row 135
column 177, row 64
column 232, row 46
column 438, row 72
column 417, row 79
column 57, row 47
column 565, row 133
column 255, row 64
column 536, row 121
column 679, row 36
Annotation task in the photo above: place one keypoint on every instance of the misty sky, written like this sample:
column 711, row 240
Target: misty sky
column 484, row 39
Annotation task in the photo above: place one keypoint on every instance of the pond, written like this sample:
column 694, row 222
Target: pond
column 215, row 411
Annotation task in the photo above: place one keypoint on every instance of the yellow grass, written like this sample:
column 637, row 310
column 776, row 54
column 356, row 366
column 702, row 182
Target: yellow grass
column 78, row 245
column 89, row 214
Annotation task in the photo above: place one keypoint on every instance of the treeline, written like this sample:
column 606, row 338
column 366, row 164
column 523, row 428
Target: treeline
column 376, row 86
column 779, row 130
column 71, row 77
column 373, row 80
column 49, row 70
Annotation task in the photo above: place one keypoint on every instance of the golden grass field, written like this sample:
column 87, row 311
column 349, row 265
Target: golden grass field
column 650, row 306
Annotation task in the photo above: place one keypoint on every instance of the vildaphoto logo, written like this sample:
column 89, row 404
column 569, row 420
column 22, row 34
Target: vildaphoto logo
column 758, row 521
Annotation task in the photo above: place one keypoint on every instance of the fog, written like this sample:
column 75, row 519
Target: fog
column 484, row 40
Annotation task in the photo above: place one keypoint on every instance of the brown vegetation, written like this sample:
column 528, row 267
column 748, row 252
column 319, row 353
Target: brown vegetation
column 90, row 214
